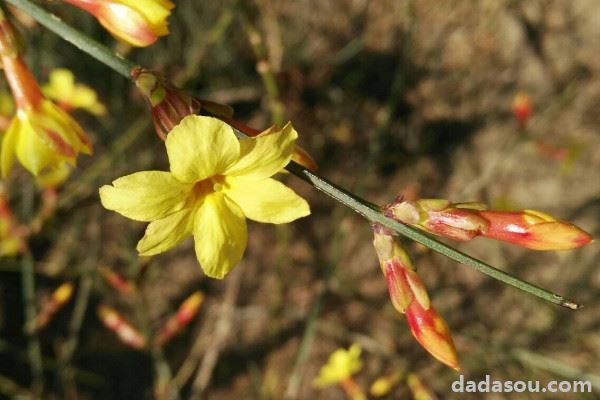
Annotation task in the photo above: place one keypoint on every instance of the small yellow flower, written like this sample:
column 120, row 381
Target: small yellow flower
column 43, row 140
column 341, row 365
column 215, row 182
column 62, row 88
column 137, row 22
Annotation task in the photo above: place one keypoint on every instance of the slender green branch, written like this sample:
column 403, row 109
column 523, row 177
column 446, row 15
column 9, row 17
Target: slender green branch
column 84, row 43
column 366, row 209
column 373, row 214
column 34, row 350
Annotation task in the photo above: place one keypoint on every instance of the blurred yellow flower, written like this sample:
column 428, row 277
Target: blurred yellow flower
column 62, row 88
column 137, row 22
column 341, row 365
column 215, row 182
column 41, row 136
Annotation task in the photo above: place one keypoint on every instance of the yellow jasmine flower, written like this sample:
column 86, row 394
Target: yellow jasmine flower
column 215, row 182
column 341, row 365
column 41, row 136
column 62, row 88
column 137, row 22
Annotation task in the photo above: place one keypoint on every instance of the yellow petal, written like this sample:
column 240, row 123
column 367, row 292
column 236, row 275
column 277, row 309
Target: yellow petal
column 220, row 235
column 54, row 176
column 146, row 195
column 267, row 200
column 265, row 155
column 166, row 233
column 9, row 140
column 155, row 11
column 33, row 152
column 201, row 147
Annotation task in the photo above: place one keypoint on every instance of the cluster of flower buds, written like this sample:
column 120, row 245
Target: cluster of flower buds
column 58, row 299
column 463, row 221
column 409, row 297
column 182, row 317
column 137, row 22
column 42, row 136
column 123, row 329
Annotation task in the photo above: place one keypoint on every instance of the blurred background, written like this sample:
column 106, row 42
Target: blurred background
column 390, row 97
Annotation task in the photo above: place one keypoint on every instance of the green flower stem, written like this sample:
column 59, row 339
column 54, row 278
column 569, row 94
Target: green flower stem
column 370, row 211
column 86, row 44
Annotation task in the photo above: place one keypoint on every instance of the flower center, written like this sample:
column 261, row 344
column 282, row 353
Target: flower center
column 204, row 187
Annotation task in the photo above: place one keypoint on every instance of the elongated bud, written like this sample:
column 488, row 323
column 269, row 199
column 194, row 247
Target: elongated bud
column 117, row 281
column 409, row 296
column 138, row 23
column 184, row 315
column 534, row 230
column 58, row 299
column 463, row 221
column 117, row 324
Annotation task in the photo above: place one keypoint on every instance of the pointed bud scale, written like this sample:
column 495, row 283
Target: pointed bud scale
column 117, row 324
column 137, row 22
column 432, row 333
column 534, row 230
column 184, row 315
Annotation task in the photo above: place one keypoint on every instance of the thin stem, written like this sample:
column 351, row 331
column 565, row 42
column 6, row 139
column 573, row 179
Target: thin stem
column 364, row 208
column 84, row 43
column 34, row 351
column 373, row 214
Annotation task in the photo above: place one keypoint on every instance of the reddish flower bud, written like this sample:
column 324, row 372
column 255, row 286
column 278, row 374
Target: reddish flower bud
column 170, row 105
column 534, row 230
column 117, row 324
column 116, row 281
column 409, row 296
column 137, row 22
column 184, row 315
column 522, row 107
